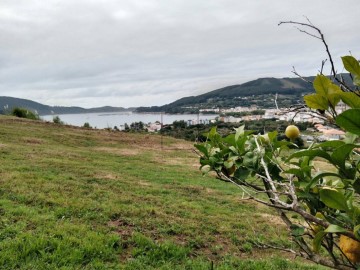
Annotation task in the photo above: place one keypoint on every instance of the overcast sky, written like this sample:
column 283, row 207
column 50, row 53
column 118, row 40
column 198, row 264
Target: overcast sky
column 127, row 53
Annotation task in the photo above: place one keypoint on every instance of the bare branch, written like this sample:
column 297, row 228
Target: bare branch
column 305, row 32
column 322, row 66
column 307, row 18
column 268, row 177
column 275, row 247
column 322, row 38
column 301, row 77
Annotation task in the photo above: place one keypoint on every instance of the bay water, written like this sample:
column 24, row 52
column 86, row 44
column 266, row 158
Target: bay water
column 109, row 120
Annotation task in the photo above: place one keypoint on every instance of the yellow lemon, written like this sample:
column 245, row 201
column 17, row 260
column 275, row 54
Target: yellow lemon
column 292, row 132
column 351, row 248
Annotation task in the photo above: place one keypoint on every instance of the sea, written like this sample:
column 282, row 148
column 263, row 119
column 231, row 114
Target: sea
column 118, row 119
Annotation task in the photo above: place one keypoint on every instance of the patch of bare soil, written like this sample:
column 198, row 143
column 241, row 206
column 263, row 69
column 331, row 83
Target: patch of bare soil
column 175, row 161
column 32, row 141
column 274, row 220
column 108, row 176
column 119, row 151
column 141, row 141
column 180, row 145
column 187, row 157
column 144, row 183
column 122, row 227
column 264, row 214
column 135, row 140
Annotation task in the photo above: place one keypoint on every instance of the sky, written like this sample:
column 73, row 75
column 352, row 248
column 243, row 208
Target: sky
column 131, row 53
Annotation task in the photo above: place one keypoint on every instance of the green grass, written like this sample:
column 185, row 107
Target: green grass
column 73, row 198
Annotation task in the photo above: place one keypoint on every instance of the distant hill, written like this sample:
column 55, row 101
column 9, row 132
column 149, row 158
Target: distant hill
column 257, row 92
column 7, row 103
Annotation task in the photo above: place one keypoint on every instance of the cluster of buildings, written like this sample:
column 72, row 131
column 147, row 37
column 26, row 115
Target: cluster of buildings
column 327, row 133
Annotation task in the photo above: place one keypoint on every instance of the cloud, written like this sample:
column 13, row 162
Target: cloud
column 135, row 52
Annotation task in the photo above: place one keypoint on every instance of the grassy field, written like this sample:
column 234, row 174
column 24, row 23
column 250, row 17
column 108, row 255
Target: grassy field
column 73, row 198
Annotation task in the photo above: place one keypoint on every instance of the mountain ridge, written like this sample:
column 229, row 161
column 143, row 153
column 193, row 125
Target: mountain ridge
column 261, row 90
column 8, row 103
column 260, row 86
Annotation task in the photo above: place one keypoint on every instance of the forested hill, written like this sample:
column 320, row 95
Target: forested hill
column 8, row 103
column 260, row 91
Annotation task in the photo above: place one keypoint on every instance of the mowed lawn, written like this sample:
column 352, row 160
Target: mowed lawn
column 74, row 198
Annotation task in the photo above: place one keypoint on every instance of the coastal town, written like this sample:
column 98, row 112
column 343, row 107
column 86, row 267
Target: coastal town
column 319, row 131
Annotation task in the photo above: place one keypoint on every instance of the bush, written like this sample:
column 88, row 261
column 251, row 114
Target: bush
column 86, row 125
column 57, row 120
column 24, row 113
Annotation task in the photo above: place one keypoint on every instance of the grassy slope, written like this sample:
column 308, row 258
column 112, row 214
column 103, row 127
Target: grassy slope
column 72, row 198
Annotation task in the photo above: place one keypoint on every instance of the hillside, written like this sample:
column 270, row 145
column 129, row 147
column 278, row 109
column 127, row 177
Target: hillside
column 259, row 92
column 41, row 109
column 74, row 198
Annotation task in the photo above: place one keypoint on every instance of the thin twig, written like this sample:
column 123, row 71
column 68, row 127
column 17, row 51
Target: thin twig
column 322, row 38
column 301, row 77
column 322, row 66
column 275, row 247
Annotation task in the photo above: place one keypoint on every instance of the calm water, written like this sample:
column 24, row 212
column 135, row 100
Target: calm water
column 105, row 120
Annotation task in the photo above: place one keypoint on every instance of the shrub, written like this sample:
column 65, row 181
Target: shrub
column 57, row 120
column 86, row 125
column 24, row 113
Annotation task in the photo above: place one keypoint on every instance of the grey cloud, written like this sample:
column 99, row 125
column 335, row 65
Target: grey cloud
column 135, row 51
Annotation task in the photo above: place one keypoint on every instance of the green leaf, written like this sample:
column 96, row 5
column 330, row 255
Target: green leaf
column 351, row 99
column 331, row 144
column 356, row 80
column 319, row 176
column 333, row 99
column 351, row 64
column 334, row 89
column 202, row 149
column 241, row 144
column 356, row 185
column 321, row 85
column 334, row 94
column 229, row 139
column 250, row 160
column 228, row 164
column 317, row 240
column 272, row 135
column 335, row 229
column 341, row 153
column 333, row 199
column 212, row 132
column 241, row 173
column 350, row 137
column 357, row 231
column 239, row 132
column 311, row 153
column 233, row 149
column 316, row 101
column 350, row 121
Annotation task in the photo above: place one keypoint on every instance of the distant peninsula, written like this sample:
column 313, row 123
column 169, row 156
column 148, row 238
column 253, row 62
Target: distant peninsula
column 8, row 103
